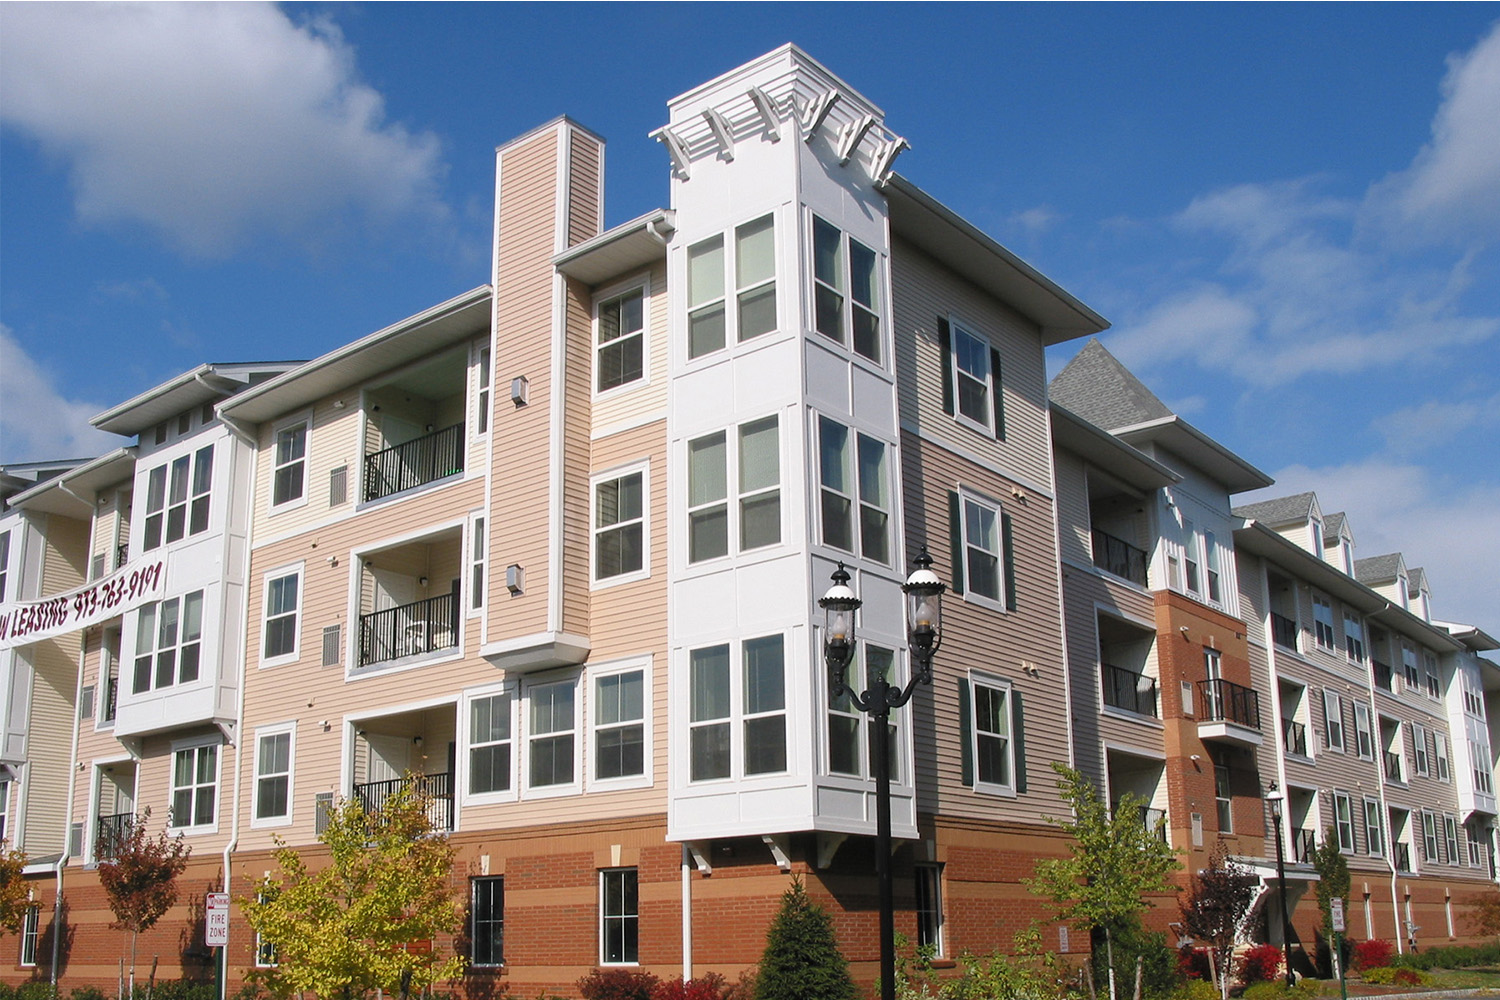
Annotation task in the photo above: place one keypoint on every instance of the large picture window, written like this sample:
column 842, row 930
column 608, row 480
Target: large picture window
column 168, row 642
column 177, row 498
column 737, row 709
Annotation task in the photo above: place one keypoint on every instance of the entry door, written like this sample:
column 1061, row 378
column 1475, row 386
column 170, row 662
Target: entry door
column 394, row 590
column 405, row 470
column 390, row 756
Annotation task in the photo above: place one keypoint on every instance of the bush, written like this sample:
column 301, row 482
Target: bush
column 1192, row 964
column 1305, row 989
column 1452, row 957
column 87, row 993
column 1260, row 964
column 1388, row 975
column 1195, row 989
column 1159, row 967
column 802, row 958
column 618, row 984
column 36, row 989
column 709, row 986
column 1373, row 954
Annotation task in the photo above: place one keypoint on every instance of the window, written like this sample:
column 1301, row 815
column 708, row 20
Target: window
column 265, row 950
column 552, row 739
column 1211, row 563
column 847, row 724
column 1333, row 720
column 490, row 744
column 4, row 562
column 845, row 488
column 1409, row 669
column 621, row 331
column 845, row 287
column 1429, row 836
column 1440, row 752
column 487, row 921
column 992, row 749
column 1419, row 748
column 930, row 908
column 283, row 603
column 1374, row 836
column 754, row 284
column 1343, row 818
column 109, row 676
column 744, row 722
column 273, row 776
column 974, row 374
column 482, row 398
column 708, row 491
column 289, row 465
column 619, row 526
column 1364, row 737
column 1191, row 558
column 760, row 484
column 1479, row 758
column 706, row 297
column 169, row 635
column 756, row 483
column 1450, row 837
column 31, row 928
column 478, row 564
column 1430, row 672
column 981, row 545
column 195, row 786
column 177, row 498
column 1323, row 621
column 1354, row 639
column 619, row 725
column 619, row 917
column 1223, row 798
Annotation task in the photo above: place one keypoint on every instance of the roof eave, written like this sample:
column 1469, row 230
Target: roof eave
column 625, row 248
column 65, row 494
column 1108, row 452
column 1181, row 437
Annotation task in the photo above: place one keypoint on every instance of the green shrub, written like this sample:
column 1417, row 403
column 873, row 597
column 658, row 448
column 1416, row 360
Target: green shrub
column 36, row 989
column 1195, row 989
column 7, row 992
column 802, row 958
column 87, row 993
column 1305, row 989
column 1388, row 975
column 1451, row 957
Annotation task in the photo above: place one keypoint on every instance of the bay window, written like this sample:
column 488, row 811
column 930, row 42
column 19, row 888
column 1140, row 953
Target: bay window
column 737, row 709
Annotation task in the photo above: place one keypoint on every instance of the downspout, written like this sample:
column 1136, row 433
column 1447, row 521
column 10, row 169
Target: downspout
column 1385, row 809
column 687, row 914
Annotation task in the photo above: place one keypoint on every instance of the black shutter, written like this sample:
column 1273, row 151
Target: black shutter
column 1009, row 552
column 956, row 541
column 999, row 400
column 965, row 734
column 945, row 343
column 1018, row 720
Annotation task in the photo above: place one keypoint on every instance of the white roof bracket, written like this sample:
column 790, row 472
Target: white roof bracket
column 719, row 126
column 700, row 851
column 676, row 149
column 887, row 156
column 766, row 108
column 828, row 846
column 851, row 135
column 780, row 850
column 816, row 113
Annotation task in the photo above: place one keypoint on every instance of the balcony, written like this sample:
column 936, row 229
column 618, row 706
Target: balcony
column 1119, row 557
column 1284, row 631
column 1128, row 690
column 1303, row 845
column 1401, row 855
column 414, row 629
column 1393, row 768
column 1228, row 713
column 110, row 832
column 414, row 463
column 435, row 789
column 1294, row 738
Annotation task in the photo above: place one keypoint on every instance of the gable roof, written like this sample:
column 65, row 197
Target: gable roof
column 1279, row 510
column 1095, row 386
column 1333, row 526
column 1378, row 569
column 1416, row 580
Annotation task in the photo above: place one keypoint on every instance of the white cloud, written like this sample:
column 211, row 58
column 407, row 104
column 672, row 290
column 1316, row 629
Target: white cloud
column 1035, row 220
column 1449, row 528
column 36, row 423
column 1408, row 431
column 209, row 123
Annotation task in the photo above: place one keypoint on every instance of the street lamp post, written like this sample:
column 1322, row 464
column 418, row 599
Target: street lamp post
column 1274, row 797
column 924, row 593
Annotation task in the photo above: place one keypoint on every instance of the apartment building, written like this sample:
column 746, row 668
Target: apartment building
column 551, row 551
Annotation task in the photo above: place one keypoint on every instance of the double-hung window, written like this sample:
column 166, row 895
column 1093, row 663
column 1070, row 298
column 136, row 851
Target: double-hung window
column 754, row 287
column 982, row 540
column 929, row 879
column 482, row 397
column 1211, row 565
column 619, row 355
column 619, row 526
column 1354, row 639
column 1224, row 797
column 618, row 715
column 1374, row 833
column 1191, row 557
column 973, row 372
column 177, row 498
column 552, row 735
column 846, row 723
column 753, row 477
column 31, row 929
column 846, row 282
column 195, row 786
column 283, row 611
column 619, row 917
column 1450, row 836
column 1409, row 671
column 4, row 562
column 490, row 743
column 487, row 921
column 1429, row 836
column 1364, row 736
column 853, row 476
column 1430, row 672
column 1323, row 621
column 737, row 709
column 1440, row 753
column 1343, row 820
column 168, row 642
column 992, row 731
column 273, row 776
column 1419, row 748
column 289, row 465
column 478, row 563
column 1333, row 720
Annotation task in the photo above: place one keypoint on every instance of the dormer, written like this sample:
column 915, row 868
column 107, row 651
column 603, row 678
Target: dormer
column 1297, row 518
column 1387, row 576
column 1338, row 542
column 1420, row 597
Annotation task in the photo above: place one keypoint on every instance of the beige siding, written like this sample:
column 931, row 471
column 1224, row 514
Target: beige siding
column 586, row 187
column 334, row 439
column 578, row 348
column 49, row 741
column 923, row 290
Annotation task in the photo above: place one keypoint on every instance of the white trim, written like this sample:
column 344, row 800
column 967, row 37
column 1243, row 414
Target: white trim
column 297, row 569
column 289, row 729
column 286, row 423
column 557, row 387
column 643, row 469
column 183, row 745
column 594, row 673
column 975, row 680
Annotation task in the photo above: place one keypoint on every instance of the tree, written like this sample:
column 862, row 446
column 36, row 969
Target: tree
column 1484, row 917
column 802, row 960
column 1333, row 881
column 140, row 880
column 13, row 899
column 1220, row 897
column 372, row 917
column 1115, row 861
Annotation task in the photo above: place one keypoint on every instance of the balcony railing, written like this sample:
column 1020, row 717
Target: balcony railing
column 1384, row 676
column 436, row 789
column 1119, row 557
column 111, row 831
column 1294, row 738
column 1129, row 690
column 409, row 630
column 1401, row 855
column 415, row 463
column 1303, row 845
column 1284, row 630
column 1393, row 766
column 1226, row 701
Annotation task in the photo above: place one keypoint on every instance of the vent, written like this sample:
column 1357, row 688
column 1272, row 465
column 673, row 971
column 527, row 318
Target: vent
column 338, row 486
column 1187, row 698
column 86, row 703
column 322, row 810
column 1197, row 829
column 75, row 840
column 96, row 568
column 331, row 645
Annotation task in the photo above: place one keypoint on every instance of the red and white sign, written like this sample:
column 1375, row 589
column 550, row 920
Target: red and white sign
column 216, row 920
column 138, row 582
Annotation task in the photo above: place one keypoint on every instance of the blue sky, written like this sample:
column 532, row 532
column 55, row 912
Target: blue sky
column 1291, row 214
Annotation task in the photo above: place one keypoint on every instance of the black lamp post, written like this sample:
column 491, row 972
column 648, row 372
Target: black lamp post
column 1274, row 797
column 924, row 599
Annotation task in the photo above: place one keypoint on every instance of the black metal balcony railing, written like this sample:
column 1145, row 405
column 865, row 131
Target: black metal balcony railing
column 1401, row 854
column 1294, row 738
column 1226, row 701
column 1303, row 845
column 111, row 832
column 1129, row 690
column 415, row 463
column 437, row 789
column 409, row 630
column 1383, row 676
column 1393, row 766
column 1284, row 630
column 1150, row 818
column 1119, row 557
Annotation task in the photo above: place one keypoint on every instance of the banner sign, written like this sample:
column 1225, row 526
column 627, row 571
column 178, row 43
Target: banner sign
column 138, row 582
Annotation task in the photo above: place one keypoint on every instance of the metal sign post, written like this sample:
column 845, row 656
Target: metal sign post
column 216, row 932
column 1336, row 918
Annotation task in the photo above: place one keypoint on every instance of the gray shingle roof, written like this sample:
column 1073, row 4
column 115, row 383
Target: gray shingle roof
column 1377, row 569
column 1332, row 525
column 1416, row 580
column 1280, row 510
column 1102, row 391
